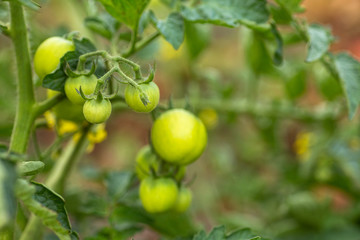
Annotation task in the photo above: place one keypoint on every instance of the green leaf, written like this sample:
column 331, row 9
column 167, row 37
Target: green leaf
column 218, row 233
column 47, row 205
column 241, row 234
column 30, row 168
column 7, row 196
column 104, row 25
column 117, row 183
column 295, row 85
column 30, row 4
column 172, row 29
column 126, row 11
column 228, row 13
column 349, row 73
column 293, row 6
column 348, row 160
column 320, row 39
column 56, row 80
column 278, row 55
column 197, row 38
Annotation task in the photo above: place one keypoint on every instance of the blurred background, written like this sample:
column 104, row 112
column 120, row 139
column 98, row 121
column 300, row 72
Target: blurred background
column 282, row 176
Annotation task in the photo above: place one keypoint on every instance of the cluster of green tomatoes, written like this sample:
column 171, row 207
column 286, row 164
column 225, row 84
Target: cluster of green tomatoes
column 178, row 137
column 95, row 107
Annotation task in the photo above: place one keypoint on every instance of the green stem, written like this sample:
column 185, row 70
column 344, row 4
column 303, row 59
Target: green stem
column 65, row 163
column 283, row 111
column 58, row 176
column 142, row 44
column 40, row 108
column 25, row 100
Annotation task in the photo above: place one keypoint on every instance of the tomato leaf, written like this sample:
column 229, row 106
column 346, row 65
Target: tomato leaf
column 7, row 196
column 197, row 37
column 278, row 55
column 218, row 233
column 117, row 183
column 30, row 168
column 229, row 13
column 104, row 25
column 48, row 206
column 126, row 11
column 56, row 80
column 292, row 6
column 172, row 29
column 320, row 39
column 349, row 73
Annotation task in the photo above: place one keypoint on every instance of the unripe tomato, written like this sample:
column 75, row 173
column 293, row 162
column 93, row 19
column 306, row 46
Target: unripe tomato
column 97, row 110
column 145, row 160
column 132, row 97
column 184, row 200
column 178, row 136
column 47, row 56
column 66, row 109
column 158, row 195
column 87, row 83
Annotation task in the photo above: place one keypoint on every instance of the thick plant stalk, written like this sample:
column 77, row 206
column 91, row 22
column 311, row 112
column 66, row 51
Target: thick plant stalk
column 56, row 181
column 25, row 90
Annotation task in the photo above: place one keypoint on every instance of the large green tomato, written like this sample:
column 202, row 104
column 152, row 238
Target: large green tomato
column 87, row 83
column 47, row 56
column 145, row 160
column 66, row 109
column 132, row 97
column 178, row 136
column 184, row 200
column 97, row 110
column 158, row 195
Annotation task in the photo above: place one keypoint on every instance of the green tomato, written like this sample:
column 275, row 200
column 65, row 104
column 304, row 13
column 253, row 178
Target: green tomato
column 97, row 110
column 145, row 160
column 47, row 56
column 65, row 109
column 178, row 137
column 158, row 195
column 87, row 83
column 184, row 200
column 132, row 97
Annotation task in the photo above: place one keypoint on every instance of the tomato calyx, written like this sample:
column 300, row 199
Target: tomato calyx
column 76, row 73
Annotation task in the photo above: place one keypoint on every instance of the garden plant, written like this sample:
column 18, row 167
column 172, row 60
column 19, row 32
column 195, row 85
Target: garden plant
column 229, row 148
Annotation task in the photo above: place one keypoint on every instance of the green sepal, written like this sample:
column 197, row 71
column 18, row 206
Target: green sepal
column 144, row 98
column 69, row 72
column 92, row 69
column 151, row 76
column 83, row 95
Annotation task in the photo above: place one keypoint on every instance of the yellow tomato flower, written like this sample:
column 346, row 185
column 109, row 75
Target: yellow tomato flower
column 50, row 119
column 302, row 145
column 209, row 117
column 66, row 126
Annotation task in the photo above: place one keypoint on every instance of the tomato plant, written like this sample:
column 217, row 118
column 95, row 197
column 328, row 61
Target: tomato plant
column 252, row 130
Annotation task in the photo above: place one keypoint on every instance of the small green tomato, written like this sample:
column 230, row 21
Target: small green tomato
column 97, row 110
column 87, row 83
column 133, row 99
